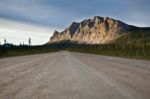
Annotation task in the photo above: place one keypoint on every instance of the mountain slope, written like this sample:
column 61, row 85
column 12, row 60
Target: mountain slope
column 137, row 36
column 98, row 30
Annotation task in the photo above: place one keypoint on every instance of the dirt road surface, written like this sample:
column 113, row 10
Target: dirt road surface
column 67, row 75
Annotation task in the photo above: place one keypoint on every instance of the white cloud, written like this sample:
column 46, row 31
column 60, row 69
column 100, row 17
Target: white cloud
column 18, row 33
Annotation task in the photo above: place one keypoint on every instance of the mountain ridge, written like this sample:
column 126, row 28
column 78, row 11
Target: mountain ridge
column 98, row 30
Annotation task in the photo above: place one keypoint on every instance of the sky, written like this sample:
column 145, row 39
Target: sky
column 37, row 19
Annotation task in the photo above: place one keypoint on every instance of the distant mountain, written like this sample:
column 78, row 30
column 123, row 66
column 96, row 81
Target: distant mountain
column 100, row 30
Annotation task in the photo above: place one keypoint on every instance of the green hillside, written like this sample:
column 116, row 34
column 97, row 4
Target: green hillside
column 137, row 37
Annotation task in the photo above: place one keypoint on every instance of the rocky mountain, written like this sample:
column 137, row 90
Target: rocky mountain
column 98, row 30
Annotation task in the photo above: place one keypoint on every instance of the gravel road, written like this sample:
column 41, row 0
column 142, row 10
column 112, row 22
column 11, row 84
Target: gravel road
column 67, row 75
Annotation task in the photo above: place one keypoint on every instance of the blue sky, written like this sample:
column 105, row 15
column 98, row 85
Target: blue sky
column 37, row 19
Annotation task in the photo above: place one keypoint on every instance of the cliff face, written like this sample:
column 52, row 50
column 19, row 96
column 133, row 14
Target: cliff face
column 98, row 30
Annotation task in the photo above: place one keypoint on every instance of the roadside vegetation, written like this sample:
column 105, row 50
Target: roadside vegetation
column 24, row 50
column 131, row 51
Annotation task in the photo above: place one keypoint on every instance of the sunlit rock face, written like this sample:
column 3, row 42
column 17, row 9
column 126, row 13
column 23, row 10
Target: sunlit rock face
column 98, row 30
